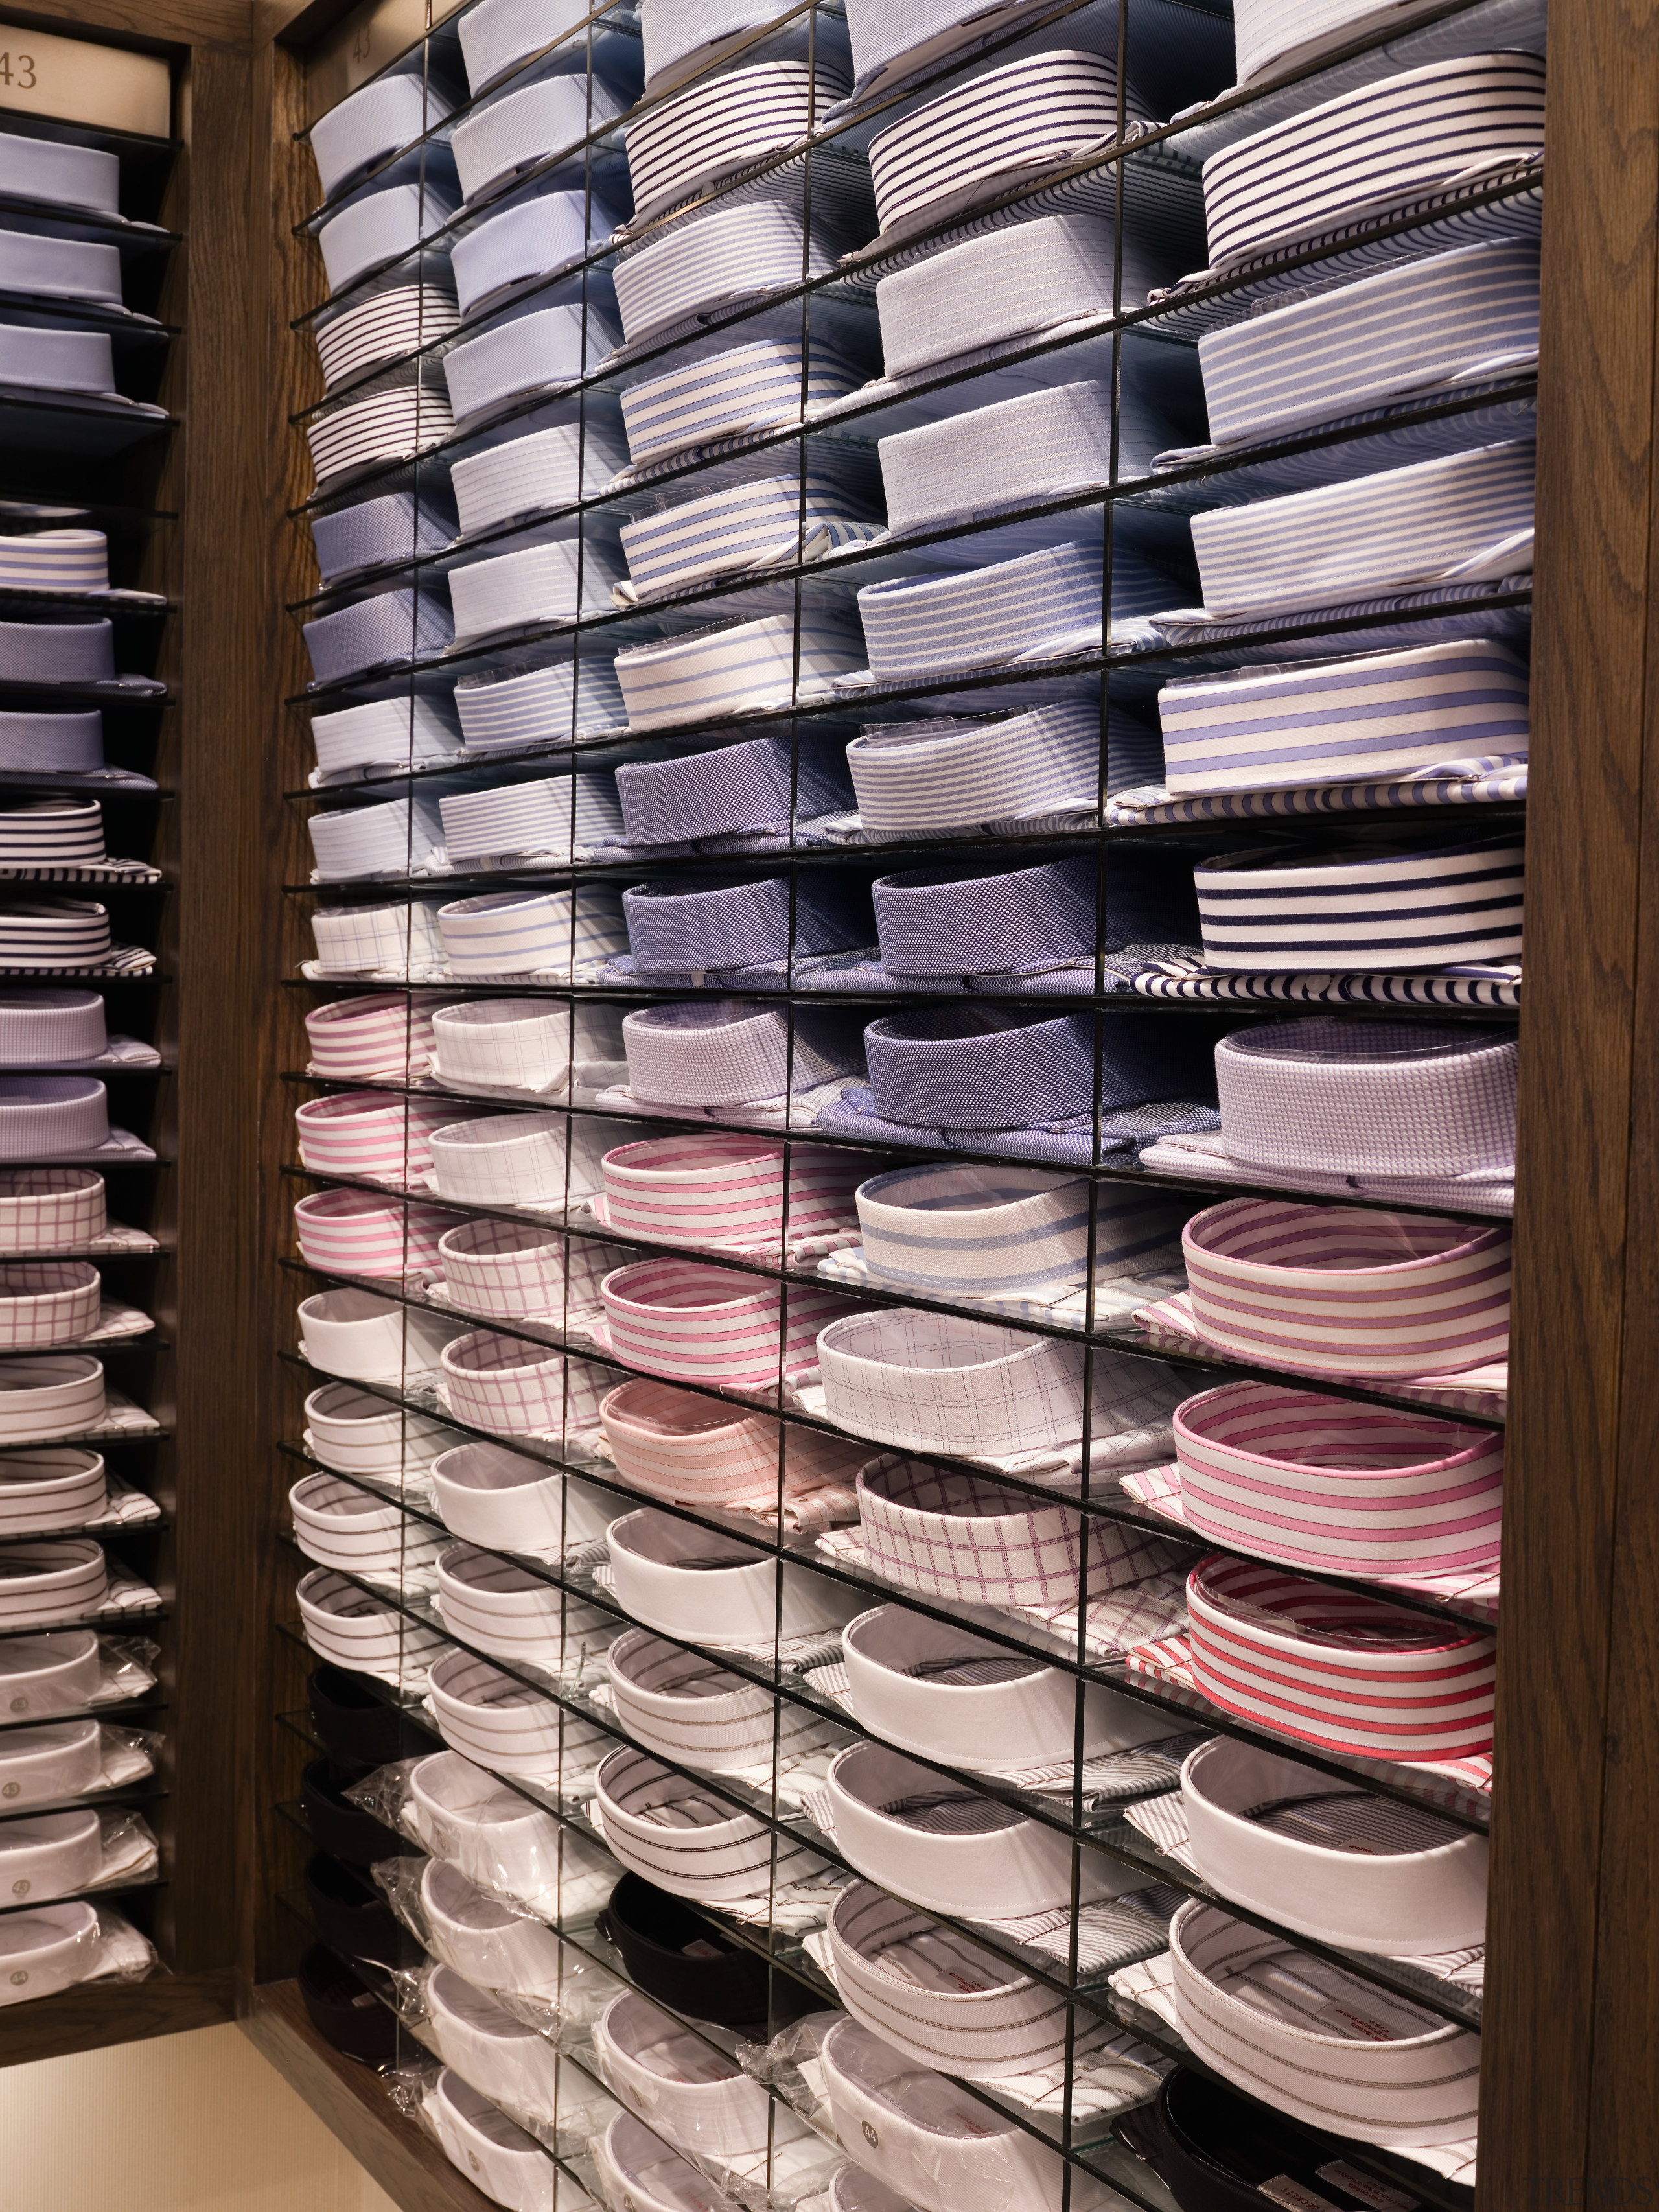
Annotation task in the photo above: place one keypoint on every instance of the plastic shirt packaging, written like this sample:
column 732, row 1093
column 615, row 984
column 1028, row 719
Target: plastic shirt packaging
column 53, row 1948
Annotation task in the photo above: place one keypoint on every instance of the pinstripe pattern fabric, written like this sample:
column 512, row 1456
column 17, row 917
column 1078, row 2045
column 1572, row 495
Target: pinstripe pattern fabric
column 51, row 832
column 958, row 1535
column 727, row 123
column 1409, row 329
column 501, row 1159
column 1378, row 146
column 511, row 1614
column 62, row 933
column 381, row 328
column 549, row 583
column 356, row 1433
column 552, row 347
column 759, row 245
column 726, row 390
column 684, row 37
column 1340, row 1487
column 380, row 227
column 393, row 425
column 1378, row 714
column 355, row 940
column 712, row 1189
column 55, row 561
column 338, row 1526
column 389, row 1035
column 363, row 1133
column 525, row 128
column 984, row 136
column 368, row 1635
column 550, row 468
column 392, row 626
column 1335, row 1669
column 1401, row 907
column 525, row 243
column 699, row 1324
column 503, row 1385
column 1009, row 284
column 727, row 1055
column 1268, row 33
column 1463, row 517
column 1335, row 1291
column 1043, row 604
column 949, row 1226
column 739, row 790
column 1317, row 2043
column 503, row 1270
column 498, row 34
column 389, row 839
column 683, row 932
column 1022, row 448
column 699, row 1714
column 540, row 705
column 950, row 775
column 48, row 1398
column 384, row 733
column 731, row 666
column 518, row 934
column 489, row 1716
column 747, row 525
column 546, row 815
column 689, row 1450
column 386, row 115
column 1371, row 1097
column 346, row 1232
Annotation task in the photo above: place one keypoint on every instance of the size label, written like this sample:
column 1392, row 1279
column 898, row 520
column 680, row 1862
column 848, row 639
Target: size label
column 360, row 45
column 75, row 82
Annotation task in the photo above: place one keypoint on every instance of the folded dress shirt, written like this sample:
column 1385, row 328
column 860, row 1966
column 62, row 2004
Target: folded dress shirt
column 512, row 359
column 519, row 933
column 387, row 114
column 731, row 666
column 1270, row 34
column 392, row 626
column 1454, row 318
column 395, row 320
column 356, row 940
column 724, row 123
column 549, row 816
column 549, row 119
column 396, row 526
column 1397, row 714
column 950, row 774
column 1368, row 908
column 955, row 1228
column 394, row 424
column 1368, row 150
column 50, row 833
column 60, row 268
column 60, row 933
column 60, row 176
column 55, row 561
column 506, row 707
column 735, row 254
column 391, row 839
column 56, row 361
column 552, row 581
column 497, row 35
column 733, row 1052
column 68, row 651
column 729, row 387
column 552, row 467
column 738, row 791
column 384, row 733
column 381, row 227
column 1467, row 518
column 1025, row 449
column 526, row 244
column 755, row 524
column 680, row 932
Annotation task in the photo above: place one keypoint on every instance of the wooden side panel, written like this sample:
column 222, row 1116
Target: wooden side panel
column 1568, row 2109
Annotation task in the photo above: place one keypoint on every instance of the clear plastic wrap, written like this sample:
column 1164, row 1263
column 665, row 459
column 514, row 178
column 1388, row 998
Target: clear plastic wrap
column 48, row 1855
column 58, row 1946
column 64, row 1759
column 74, row 1671
column 510, row 2167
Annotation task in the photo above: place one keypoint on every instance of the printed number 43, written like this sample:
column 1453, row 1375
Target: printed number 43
column 24, row 77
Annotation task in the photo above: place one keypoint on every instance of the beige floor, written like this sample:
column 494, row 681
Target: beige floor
column 191, row 2123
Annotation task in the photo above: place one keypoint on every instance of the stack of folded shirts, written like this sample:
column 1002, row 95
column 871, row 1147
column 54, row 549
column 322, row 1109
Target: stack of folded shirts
column 392, row 626
column 725, row 387
column 549, row 816
column 60, row 268
column 1337, row 1486
column 1304, row 2037
column 1012, row 283
column 58, row 933
column 381, row 227
column 373, row 533
column 393, row 425
column 550, row 468
column 1377, row 714
column 383, row 734
column 551, row 346
column 551, row 582
column 518, row 934
column 736, row 791
column 1368, row 909
column 955, row 1229
column 537, row 128
column 725, row 1190
column 391, row 838
column 692, row 1450
column 681, row 934
column 756, row 246
column 379, row 328
column 387, row 115
column 732, row 666
column 526, row 244
column 1456, row 318
column 50, row 833
column 727, row 123
column 55, row 561
column 1332, row 1290
column 56, row 361
column 982, row 136
column 751, row 525
column 1337, row 1668
column 355, row 940
column 694, row 1323
column 540, row 705
column 730, row 1054
column 1467, row 518
column 1371, row 150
